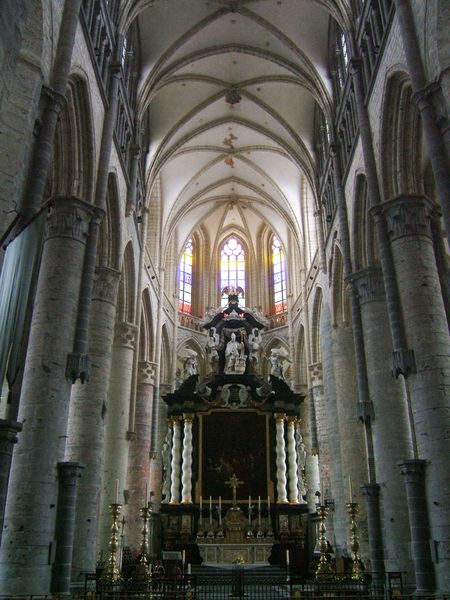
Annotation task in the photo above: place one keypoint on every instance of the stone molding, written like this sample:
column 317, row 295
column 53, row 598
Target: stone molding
column 69, row 217
column 371, row 490
column 369, row 285
column 408, row 216
column 70, row 471
column 106, row 283
column 125, row 335
column 413, row 470
column 146, row 372
column 316, row 373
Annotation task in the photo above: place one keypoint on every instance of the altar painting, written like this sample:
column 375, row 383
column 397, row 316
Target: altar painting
column 234, row 443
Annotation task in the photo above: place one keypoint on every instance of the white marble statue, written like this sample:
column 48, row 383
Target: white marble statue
column 279, row 363
column 235, row 357
column 254, row 344
column 190, row 366
column 212, row 344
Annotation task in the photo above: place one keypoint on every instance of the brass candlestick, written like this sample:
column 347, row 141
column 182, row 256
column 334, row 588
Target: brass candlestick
column 357, row 571
column 112, row 574
column 142, row 571
column 324, row 570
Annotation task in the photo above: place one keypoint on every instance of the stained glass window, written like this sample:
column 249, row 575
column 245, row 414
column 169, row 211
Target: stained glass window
column 185, row 278
column 279, row 277
column 232, row 266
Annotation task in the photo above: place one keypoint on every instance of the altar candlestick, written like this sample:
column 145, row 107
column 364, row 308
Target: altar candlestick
column 189, row 569
column 210, row 510
column 220, row 503
column 259, row 503
column 201, row 504
column 268, row 504
column 287, row 557
column 146, row 496
column 249, row 502
column 117, row 491
column 350, row 488
column 183, row 557
column 322, row 497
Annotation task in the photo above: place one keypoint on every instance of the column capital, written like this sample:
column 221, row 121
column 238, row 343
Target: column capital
column 371, row 490
column 8, row 434
column 69, row 217
column 188, row 417
column 279, row 417
column 125, row 334
column 316, row 373
column 106, row 282
column 413, row 469
column 369, row 284
column 408, row 216
column 146, row 372
column 291, row 420
column 69, row 470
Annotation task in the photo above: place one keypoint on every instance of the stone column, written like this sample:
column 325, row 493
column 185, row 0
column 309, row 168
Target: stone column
column 166, row 460
column 176, row 462
column 371, row 493
column 333, row 479
column 69, row 474
column 186, row 477
column 413, row 472
column 351, row 434
column 322, row 441
column 292, row 460
column 392, row 440
column 139, row 454
column 44, row 404
column 86, row 430
column 116, row 440
column 280, row 458
column 8, row 437
column 426, row 326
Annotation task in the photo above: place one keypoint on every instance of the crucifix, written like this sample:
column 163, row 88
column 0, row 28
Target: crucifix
column 234, row 483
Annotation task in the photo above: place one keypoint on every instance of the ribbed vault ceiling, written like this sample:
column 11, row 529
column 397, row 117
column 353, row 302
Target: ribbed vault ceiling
column 230, row 89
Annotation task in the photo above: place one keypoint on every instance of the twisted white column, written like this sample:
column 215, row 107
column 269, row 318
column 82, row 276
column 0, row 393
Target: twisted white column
column 166, row 463
column 186, row 478
column 292, row 461
column 280, row 459
column 176, row 462
column 301, row 462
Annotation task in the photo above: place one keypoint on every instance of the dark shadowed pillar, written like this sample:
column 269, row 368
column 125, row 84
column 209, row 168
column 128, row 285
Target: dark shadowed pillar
column 68, row 474
column 8, row 437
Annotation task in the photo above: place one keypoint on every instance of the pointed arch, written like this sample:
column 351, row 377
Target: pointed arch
column 146, row 331
column 401, row 143
column 108, row 249
column 301, row 361
column 165, row 358
column 316, row 351
column 339, row 297
column 73, row 161
column 364, row 237
column 127, row 286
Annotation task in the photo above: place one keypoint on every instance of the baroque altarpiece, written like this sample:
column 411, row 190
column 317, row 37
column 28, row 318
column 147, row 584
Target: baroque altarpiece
column 234, row 486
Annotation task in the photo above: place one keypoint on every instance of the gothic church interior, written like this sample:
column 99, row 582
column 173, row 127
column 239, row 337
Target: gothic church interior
column 224, row 286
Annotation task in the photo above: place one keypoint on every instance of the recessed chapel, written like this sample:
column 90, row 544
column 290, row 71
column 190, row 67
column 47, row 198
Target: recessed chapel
column 224, row 295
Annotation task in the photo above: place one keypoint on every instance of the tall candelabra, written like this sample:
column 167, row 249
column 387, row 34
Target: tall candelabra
column 112, row 573
column 142, row 571
column 324, row 570
column 357, row 570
